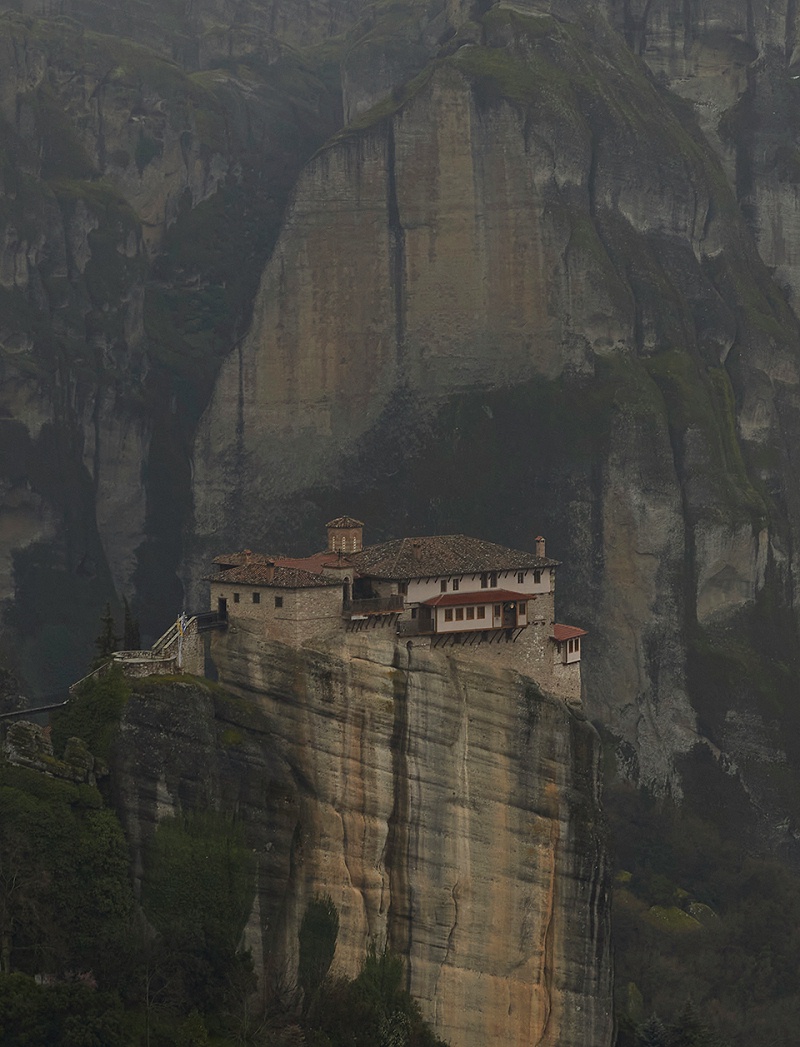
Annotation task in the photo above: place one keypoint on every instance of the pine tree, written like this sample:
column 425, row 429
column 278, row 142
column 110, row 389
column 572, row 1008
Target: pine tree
column 653, row 1033
column 691, row 1031
column 108, row 641
column 131, row 639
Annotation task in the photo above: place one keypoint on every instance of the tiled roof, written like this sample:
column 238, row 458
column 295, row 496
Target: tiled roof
column 282, row 577
column 481, row 596
column 439, row 555
column 344, row 521
column 566, row 632
column 238, row 559
column 314, row 563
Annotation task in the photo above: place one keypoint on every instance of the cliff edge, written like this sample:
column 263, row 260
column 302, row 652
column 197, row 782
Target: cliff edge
column 449, row 809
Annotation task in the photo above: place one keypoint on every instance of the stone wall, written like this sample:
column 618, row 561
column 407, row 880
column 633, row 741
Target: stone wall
column 534, row 655
column 303, row 614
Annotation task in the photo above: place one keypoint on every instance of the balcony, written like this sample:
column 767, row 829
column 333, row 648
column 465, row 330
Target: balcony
column 375, row 605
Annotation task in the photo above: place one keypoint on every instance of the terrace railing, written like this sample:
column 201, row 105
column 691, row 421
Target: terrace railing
column 373, row 605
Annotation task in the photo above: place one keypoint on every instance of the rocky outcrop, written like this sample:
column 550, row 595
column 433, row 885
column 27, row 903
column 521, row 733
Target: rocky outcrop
column 29, row 745
column 447, row 808
column 737, row 65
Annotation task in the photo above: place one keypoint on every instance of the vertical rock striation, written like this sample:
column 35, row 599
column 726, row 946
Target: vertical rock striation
column 448, row 809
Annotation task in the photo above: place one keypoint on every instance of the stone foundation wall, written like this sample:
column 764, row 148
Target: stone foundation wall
column 533, row 655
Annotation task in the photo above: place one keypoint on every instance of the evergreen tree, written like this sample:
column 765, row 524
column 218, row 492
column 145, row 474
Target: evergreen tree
column 131, row 639
column 653, row 1033
column 691, row 1031
column 108, row 641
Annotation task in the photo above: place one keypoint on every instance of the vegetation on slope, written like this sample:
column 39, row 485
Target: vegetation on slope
column 83, row 962
column 705, row 929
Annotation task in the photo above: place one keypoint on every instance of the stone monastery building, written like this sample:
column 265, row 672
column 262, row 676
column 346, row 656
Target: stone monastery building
column 439, row 590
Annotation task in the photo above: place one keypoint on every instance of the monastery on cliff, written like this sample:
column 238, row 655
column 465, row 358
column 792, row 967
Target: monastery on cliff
column 440, row 590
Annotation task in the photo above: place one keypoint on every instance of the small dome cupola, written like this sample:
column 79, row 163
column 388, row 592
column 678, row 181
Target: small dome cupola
column 344, row 535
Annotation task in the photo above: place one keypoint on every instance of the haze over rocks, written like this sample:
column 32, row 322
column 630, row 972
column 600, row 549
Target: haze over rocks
column 498, row 269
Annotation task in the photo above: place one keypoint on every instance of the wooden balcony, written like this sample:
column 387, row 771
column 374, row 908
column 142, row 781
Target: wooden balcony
column 376, row 605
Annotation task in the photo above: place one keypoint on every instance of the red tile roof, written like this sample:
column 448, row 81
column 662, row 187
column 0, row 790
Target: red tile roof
column 480, row 596
column 437, row 555
column 566, row 632
column 314, row 563
column 344, row 521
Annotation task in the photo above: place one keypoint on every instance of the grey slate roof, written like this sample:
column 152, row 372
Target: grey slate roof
column 437, row 555
column 344, row 521
column 282, row 577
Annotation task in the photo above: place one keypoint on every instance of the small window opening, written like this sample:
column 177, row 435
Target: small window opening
column 279, row 601
column 256, row 597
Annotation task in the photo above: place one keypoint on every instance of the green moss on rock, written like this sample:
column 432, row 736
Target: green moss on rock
column 673, row 919
column 94, row 713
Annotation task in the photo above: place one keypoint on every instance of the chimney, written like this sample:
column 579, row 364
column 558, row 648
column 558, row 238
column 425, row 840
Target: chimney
column 416, row 551
column 247, row 554
column 540, row 546
column 270, row 571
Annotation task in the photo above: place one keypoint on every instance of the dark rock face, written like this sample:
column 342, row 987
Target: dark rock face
column 448, row 809
column 131, row 186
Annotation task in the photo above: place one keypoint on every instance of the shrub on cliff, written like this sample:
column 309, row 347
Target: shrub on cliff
column 317, row 939
column 65, row 893
column 374, row 1010
column 197, row 893
column 93, row 714
column 67, row 1015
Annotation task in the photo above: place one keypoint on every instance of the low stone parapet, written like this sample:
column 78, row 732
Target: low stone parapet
column 137, row 664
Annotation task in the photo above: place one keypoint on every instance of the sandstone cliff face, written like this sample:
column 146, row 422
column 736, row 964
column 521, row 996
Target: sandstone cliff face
column 448, row 810
column 500, row 236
